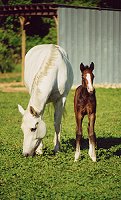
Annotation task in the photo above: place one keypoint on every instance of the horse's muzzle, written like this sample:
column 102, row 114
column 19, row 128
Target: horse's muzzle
column 26, row 154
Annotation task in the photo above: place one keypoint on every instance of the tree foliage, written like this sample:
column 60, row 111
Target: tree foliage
column 116, row 4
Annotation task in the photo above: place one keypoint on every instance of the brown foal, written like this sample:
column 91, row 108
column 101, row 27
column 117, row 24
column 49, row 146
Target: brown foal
column 85, row 104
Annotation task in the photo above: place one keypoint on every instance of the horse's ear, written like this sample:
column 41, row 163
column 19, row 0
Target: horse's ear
column 21, row 110
column 33, row 112
column 81, row 67
column 92, row 66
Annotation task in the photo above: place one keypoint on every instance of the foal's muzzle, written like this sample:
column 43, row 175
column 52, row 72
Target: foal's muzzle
column 90, row 90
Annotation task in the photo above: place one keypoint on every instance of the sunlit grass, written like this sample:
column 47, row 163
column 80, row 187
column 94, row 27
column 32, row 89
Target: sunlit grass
column 57, row 176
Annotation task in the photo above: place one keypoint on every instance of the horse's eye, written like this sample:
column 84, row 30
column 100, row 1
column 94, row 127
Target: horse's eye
column 33, row 129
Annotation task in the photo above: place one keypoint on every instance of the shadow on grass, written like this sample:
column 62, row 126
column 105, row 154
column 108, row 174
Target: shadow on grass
column 70, row 144
column 107, row 143
column 104, row 146
column 102, row 143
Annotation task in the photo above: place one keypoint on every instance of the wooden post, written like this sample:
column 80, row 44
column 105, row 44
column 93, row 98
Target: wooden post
column 56, row 22
column 23, row 45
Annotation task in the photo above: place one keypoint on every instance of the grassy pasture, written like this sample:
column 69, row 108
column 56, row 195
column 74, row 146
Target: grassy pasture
column 58, row 177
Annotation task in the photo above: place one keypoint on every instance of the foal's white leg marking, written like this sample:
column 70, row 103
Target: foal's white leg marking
column 90, row 86
column 92, row 153
column 77, row 154
column 39, row 149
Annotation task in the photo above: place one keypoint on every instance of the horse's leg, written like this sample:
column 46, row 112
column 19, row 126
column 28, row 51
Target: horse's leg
column 39, row 149
column 79, row 119
column 92, row 137
column 59, row 107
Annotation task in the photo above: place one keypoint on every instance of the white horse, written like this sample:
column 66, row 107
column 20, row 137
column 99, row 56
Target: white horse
column 48, row 76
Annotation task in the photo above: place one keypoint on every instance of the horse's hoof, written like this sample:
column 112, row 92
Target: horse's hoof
column 39, row 152
column 56, row 149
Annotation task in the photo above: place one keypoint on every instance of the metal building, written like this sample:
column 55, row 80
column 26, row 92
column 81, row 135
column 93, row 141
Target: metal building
column 92, row 35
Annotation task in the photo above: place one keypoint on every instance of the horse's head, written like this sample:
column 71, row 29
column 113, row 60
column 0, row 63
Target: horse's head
column 34, row 130
column 87, row 77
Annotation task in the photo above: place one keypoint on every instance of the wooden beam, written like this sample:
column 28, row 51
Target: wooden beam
column 56, row 22
column 23, row 46
column 45, row 10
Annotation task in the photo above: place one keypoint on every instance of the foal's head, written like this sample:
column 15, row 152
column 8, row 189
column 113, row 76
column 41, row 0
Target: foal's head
column 87, row 77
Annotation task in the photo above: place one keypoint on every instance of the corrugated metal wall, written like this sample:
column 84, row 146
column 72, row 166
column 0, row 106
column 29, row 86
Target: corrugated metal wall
column 92, row 35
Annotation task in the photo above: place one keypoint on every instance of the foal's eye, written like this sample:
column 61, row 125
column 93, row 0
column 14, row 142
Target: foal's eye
column 33, row 129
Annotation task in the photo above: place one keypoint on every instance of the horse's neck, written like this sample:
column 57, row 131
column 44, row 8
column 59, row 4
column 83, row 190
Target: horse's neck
column 35, row 101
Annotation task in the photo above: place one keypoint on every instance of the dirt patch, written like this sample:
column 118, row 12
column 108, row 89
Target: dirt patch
column 13, row 87
column 19, row 86
column 114, row 85
column 102, row 86
column 9, row 75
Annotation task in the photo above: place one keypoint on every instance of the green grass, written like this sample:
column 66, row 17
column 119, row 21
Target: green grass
column 58, row 177
column 10, row 79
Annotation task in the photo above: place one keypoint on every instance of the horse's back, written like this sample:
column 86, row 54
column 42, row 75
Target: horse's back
column 33, row 62
column 43, row 58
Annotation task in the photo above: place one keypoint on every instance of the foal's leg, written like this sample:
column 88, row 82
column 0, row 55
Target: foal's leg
column 79, row 120
column 92, row 137
column 59, row 107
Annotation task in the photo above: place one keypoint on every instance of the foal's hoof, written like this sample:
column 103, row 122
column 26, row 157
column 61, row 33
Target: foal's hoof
column 92, row 157
column 77, row 154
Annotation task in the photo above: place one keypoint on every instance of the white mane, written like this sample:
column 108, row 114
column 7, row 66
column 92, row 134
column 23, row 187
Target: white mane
column 48, row 63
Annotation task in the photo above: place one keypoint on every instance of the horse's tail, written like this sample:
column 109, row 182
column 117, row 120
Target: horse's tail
column 50, row 110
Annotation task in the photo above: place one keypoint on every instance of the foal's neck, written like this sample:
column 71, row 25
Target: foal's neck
column 84, row 91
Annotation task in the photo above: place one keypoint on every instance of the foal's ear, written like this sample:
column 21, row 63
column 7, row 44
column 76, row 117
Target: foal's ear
column 92, row 66
column 82, row 67
column 21, row 110
column 33, row 112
